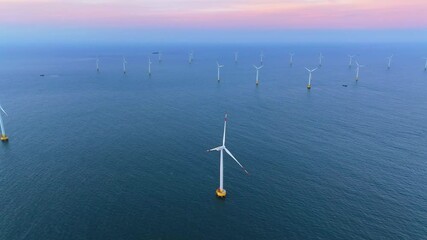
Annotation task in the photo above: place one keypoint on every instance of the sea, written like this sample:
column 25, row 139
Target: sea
column 108, row 155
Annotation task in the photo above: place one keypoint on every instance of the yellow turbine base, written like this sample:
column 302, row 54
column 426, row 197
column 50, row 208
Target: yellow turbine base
column 221, row 193
column 4, row 138
column 308, row 86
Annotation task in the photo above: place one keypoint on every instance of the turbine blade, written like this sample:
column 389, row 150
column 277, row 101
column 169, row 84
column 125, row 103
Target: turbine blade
column 225, row 127
column 3, row 110
column 215, row 149
column 231, row 155
column 307, row 69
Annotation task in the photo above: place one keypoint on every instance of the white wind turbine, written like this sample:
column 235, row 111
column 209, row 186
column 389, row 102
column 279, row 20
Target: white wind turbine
column 389, row 61
column 124, row 65
column 257, row 74
column 261, row 58
column 320, row 59
column 309, row 77
column 149, row 66
column 190, row 57
column 425, row 66
column 97, row 64
column 357, row 70
column 236, row 56
column 350, row 64
column 219, row 67
column 220, row 192
column 3, row 137
column 160, row 57
column 291, row 59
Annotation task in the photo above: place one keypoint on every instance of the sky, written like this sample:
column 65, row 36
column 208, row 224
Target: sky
column 219, row 20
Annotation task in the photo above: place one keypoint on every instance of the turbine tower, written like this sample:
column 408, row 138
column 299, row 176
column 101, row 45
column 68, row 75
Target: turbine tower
column 97, row 64
column 160, row 57
column 190, row 57
column 291, row 59
column 357, row 70
column 220, row 192
column 3, row 137
column 219, row 67
column 261, row 57
column 236, row 56
column 320, row 59
column 425, row 66
column 257, row 74
column 124, row 65
column 149, row 66
column 309, row 77
column 350, row 64
column 389, row 61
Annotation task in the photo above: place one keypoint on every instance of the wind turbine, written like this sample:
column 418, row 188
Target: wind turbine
column 309, row 77
column 350, row 64
column 3, row 137
column 389, row 61
column 261, row 57
column 257, row 74
column 220, row 192
column 97, row 64
column 190, row 57
column 291, row 59
column 425, row 66
column 219, row 67
column 236, row 55
column 320, row 59
column 124, row 65
column 149, row 66
column 160, row 57
column 357, row 70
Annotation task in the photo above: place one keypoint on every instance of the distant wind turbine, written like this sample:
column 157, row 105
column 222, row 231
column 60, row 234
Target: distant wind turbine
column 309, row 77
column 220, row 192
column 3, row 137
column 350, row 64
column 124, row 65
column 291, row 59
column 320, row 59
column 190, row 57
column 357, row 70
column 257, row 74
column 149, row 66
column 97, row 64
column 236, row 55
column 389, row 61
column 219, row 67
column 261, row 57
column 425, row 66
column 160, row 57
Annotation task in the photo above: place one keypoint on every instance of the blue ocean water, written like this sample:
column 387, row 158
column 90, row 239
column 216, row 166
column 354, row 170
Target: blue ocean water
column 113, row 156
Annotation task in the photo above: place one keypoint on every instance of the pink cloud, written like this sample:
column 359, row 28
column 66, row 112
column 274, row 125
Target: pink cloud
column 273, row 14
